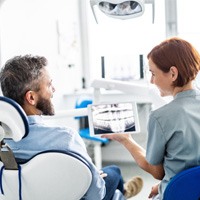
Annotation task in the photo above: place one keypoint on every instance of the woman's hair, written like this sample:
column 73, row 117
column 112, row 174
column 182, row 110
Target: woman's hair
column 21, row 74
column 179, row 53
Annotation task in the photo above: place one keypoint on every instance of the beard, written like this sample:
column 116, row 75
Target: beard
column 45, row 106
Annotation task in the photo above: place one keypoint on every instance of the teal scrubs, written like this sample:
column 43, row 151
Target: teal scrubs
column 174, row 135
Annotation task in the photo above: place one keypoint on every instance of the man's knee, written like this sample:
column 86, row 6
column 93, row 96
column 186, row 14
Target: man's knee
column 113, row 168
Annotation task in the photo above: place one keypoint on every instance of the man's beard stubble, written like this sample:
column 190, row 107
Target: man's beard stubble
column 45, row 106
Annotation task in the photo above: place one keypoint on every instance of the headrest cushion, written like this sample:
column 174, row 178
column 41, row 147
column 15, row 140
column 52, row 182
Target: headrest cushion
column 13, row 120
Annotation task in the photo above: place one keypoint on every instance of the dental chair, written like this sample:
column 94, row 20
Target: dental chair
column 49, row 175
column 184, row 186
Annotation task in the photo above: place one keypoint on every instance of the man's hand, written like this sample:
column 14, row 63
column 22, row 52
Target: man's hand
column 154, row 191
column 102, row 174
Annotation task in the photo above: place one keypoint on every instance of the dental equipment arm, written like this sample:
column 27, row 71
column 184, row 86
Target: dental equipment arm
column 69, row 113
column 144, row 91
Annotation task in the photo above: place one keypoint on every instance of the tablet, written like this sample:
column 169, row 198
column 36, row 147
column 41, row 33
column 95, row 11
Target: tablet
column 109, row 118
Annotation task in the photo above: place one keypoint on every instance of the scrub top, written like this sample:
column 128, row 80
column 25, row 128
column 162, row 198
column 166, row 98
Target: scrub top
column 174, row 135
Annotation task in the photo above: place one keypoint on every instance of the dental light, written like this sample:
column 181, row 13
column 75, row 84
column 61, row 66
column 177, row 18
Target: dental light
column 122, row 9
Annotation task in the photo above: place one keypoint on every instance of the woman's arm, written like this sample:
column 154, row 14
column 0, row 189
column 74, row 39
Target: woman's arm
column 138, row 153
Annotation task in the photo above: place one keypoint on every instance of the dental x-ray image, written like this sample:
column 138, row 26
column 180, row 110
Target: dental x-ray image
column 113, row 118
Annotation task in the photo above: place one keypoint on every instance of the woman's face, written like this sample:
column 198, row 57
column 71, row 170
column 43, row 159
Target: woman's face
column 162, row 80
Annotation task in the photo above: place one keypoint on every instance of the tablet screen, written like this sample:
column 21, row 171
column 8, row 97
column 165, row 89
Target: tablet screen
column 111, row 118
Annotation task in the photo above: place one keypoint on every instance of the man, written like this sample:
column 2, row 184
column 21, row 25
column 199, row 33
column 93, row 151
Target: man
column 26, row 80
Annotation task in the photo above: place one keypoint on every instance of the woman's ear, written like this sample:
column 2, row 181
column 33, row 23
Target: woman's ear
column 31, row 97
column 174, row 72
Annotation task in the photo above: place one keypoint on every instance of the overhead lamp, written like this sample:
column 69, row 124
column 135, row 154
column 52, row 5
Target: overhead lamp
column 122, row 9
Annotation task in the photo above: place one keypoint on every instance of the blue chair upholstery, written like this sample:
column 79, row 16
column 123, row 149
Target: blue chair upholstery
column 184, row 186
column 85, row 133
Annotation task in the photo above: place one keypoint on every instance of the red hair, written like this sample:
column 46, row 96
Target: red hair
column 179, row 53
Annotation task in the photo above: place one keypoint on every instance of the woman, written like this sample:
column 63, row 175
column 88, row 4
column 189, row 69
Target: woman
column 173, row 130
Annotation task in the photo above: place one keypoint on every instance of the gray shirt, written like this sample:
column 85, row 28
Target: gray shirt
column 42, row 137
column 174, row 135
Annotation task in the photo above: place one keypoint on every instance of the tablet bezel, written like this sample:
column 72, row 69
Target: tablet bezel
column 135, row 114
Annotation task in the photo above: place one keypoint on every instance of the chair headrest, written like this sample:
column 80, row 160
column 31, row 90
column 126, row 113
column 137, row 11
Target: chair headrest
column 13, row 120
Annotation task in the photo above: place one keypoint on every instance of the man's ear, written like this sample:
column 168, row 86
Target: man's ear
column 31, row 97
column 174, row 72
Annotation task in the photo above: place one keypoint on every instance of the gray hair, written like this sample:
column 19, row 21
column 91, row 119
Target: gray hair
column 21, row 74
